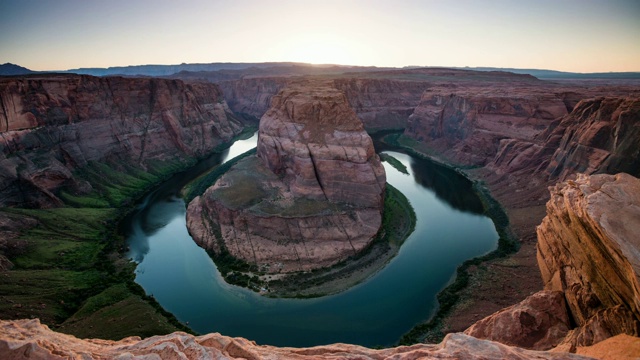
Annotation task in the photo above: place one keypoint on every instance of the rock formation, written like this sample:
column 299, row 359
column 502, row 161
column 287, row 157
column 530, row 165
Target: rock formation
column 380, row 103
column 28, row 339
column 600, row 135
column 540, row 322
column 468, row 126
column 588, row 247
column 51, row 125
column 312, row 197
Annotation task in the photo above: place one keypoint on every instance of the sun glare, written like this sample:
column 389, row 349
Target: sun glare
column 319, row 50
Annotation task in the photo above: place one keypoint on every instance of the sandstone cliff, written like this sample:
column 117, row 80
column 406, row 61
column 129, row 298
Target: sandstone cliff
column 588, row 247
column 469, row 125
column 51, row 125
column 601, row 135
column 380, row 103
column 28, row 339
column 312, row 197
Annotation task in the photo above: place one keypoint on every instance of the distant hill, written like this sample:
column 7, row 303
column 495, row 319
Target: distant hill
column 553, row 74
column 166, row 70
column 229, row 71
column 9, row 69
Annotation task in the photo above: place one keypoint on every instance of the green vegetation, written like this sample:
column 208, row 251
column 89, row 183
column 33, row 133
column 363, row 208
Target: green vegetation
column 199, row 185
column 70, row 268
column 398, row 222
column 507, row 244
column 397, row 164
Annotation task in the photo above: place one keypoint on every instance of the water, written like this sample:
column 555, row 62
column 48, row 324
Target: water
column 184, row 280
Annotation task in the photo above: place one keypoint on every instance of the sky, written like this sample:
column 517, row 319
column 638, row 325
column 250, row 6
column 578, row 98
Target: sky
column 566, row 35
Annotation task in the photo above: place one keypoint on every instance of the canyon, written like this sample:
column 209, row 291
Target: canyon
column 513, row 134
column 54, row 125
column 310, row 198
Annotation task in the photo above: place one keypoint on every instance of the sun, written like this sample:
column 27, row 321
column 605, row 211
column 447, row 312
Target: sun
column 319, row 49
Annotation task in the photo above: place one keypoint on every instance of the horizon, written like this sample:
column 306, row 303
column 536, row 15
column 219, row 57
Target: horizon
column 471, row 68
column 580, row 36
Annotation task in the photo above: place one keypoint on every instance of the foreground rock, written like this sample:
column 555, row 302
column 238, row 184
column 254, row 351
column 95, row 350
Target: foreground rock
column 588, row 247
column 52, row 125
column 539, row 322
column 313, row 195
column 28, row 339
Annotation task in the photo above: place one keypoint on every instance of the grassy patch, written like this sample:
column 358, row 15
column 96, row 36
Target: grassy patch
column 199, row 185
column 70, row 271
column 397, row 164
column 127, row 317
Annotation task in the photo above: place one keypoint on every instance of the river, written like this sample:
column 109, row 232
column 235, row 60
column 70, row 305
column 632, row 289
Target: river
column 180, row 275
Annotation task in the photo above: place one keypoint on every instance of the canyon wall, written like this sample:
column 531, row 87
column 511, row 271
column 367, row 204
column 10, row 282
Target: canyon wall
column 51, row 125
column 379, row 103
column 469, row 126
column 588, row 248
column 313, row 195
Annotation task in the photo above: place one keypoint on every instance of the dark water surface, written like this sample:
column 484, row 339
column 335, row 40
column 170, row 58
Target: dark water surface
column 184, row 280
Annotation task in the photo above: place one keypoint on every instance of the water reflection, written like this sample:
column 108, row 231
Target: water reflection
column 449, row 186
column 164, row 204
column 185, row 281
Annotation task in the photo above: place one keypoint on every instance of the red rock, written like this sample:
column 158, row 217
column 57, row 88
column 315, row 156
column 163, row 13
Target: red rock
column 28, row 339
column 311, row 198
column 588, row 248
column 53, row 124
column 600, row 135
column 540, row 322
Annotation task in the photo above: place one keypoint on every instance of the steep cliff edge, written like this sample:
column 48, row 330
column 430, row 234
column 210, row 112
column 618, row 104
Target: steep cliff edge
column 28, row 339
column 588, row 247
column 51, row 125
column 313, row 195
column 380, row 103
column 467, row 125
column 516, row 149
column 601, row 135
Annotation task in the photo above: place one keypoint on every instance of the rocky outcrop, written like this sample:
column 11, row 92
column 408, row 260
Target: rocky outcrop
column 251, row 97
column 379, row 103
column 472, row 124
column 28, row 339
column 312, row 197
column 588, row 248
column 51, row 125
column 539, row 322
column 382, row 103
column 312, row 138
column 600, row 135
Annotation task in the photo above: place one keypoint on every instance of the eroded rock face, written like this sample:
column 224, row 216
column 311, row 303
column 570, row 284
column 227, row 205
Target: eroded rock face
column 539, row 322
column 382, row 103
column 51, row 125
column 312, row 138
column 28, row 339
column 588, row 247
column 312, row 196
column 468, row 125
column 379, row 103
column 600, row 135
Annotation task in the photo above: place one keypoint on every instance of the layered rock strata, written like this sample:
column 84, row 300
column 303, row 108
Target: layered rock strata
column 28, row 339
column 312, row 196
column 380, row 103
column 588, row 248
column 51, row 125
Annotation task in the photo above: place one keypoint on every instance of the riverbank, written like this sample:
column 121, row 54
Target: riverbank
column 398, row 223
column 489, row 283
column 69, row 264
